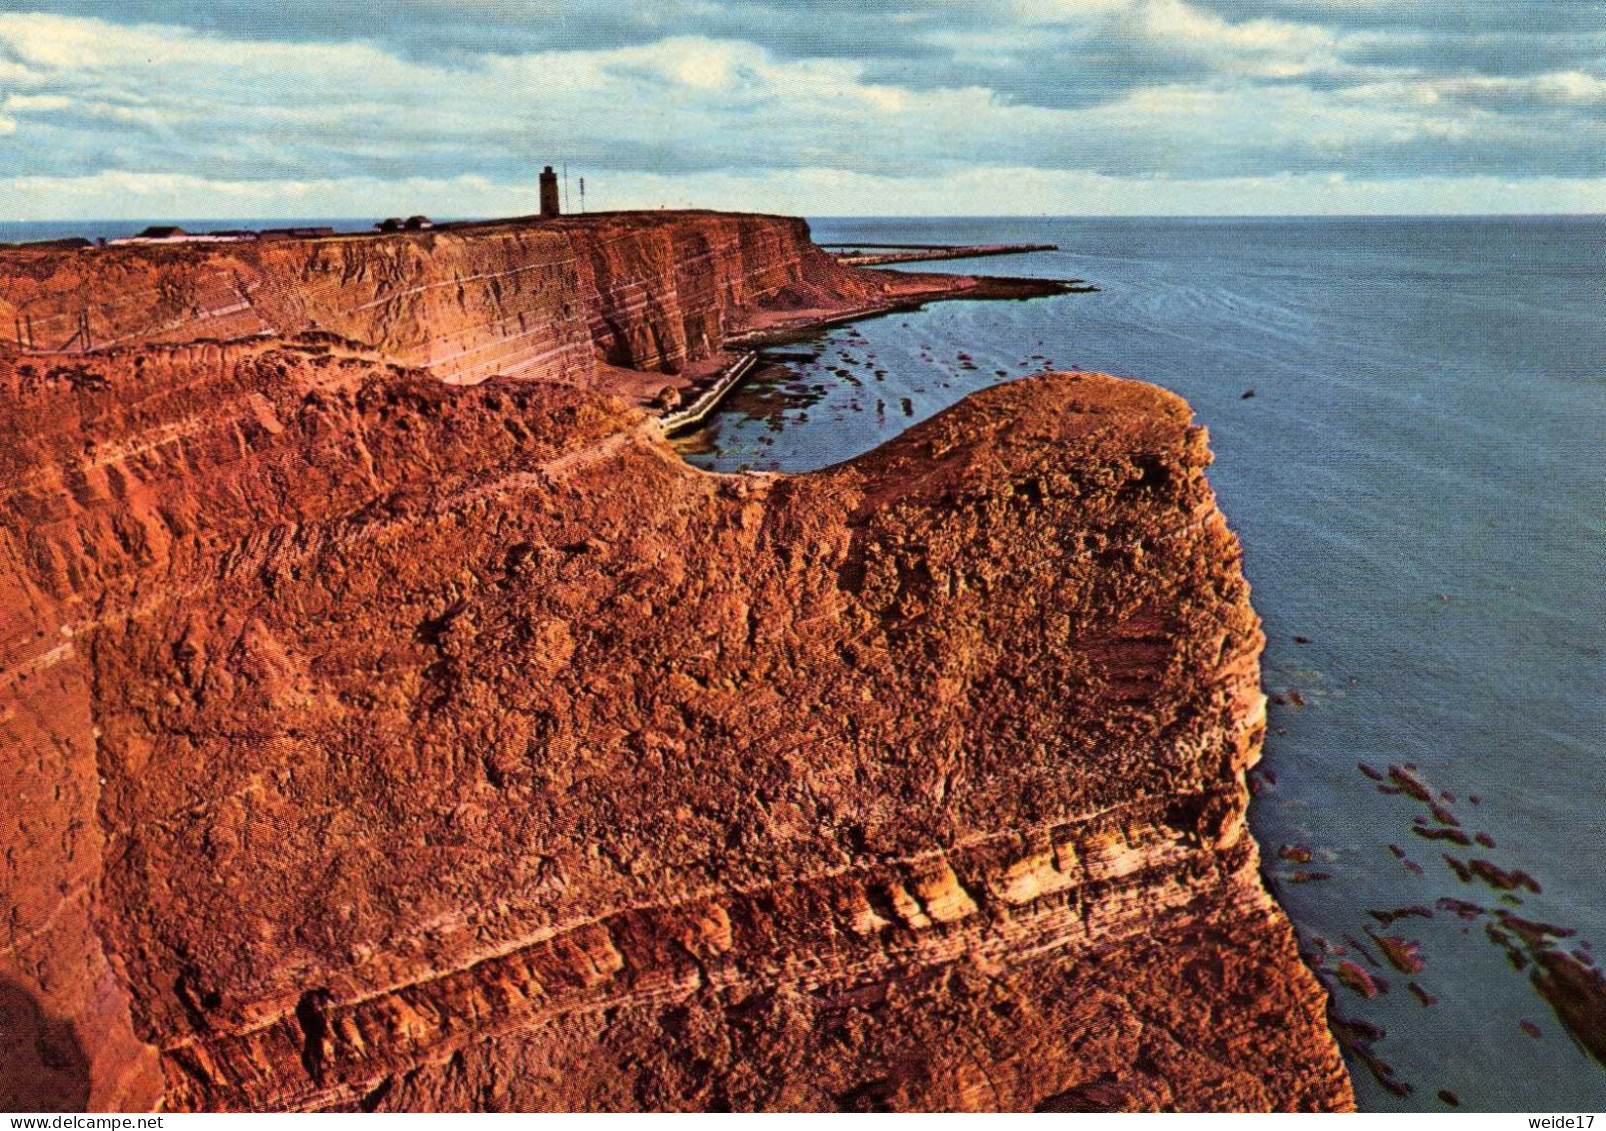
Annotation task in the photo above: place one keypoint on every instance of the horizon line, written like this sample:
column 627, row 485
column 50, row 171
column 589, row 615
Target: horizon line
column 267, row 219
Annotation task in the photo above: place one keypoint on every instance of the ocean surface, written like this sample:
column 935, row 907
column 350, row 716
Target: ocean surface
column 1419, row 481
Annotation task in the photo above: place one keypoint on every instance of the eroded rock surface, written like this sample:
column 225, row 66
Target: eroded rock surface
column 385, row 743
column 645, row 290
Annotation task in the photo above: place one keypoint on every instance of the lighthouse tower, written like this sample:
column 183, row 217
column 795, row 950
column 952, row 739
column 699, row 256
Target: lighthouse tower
column 549, row 193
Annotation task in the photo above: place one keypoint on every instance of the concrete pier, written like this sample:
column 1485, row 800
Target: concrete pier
column 873, row 255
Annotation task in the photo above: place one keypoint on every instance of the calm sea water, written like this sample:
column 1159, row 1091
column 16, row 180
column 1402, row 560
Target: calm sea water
column 1420, row 484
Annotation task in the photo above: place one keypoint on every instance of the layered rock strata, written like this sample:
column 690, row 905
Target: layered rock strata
column 380, row 743
column 650, row 291
column 464, row 748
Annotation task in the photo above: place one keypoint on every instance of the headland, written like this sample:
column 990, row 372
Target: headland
column 398, row 723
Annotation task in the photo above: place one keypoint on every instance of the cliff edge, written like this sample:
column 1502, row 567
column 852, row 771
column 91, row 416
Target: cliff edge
column 382, row 743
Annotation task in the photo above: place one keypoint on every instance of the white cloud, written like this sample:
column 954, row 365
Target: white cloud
column 141, row 196
column 181, row 122
column 34, row 103
column 813, row 192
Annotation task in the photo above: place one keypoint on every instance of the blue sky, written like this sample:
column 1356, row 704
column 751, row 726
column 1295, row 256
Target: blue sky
column 240, row 108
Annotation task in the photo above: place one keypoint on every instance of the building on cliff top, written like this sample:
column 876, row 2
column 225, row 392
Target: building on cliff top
column 549, row 194
column 166, row 233
column 296, row 233
column 411, row 224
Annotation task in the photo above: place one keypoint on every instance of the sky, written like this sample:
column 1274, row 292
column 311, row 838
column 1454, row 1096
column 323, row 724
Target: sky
column 147, row 109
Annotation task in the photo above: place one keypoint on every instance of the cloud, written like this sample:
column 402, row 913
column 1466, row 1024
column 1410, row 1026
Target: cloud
column 211, row 98
column 1451, row 16
column 442, row 30
column 816, row 192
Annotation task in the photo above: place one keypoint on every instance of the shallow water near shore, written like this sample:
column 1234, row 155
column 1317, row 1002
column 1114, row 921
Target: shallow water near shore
column 1419, row 481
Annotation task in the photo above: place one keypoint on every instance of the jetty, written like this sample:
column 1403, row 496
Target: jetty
column 705, row 402
column 877, row 254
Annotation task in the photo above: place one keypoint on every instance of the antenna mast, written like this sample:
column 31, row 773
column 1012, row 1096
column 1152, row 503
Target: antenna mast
column 566, row 186
column 582, row 194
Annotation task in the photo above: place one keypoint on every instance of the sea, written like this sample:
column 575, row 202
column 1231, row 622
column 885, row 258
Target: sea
column 1409, row 421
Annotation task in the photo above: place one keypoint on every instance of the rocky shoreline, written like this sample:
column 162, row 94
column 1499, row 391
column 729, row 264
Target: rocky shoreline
column 391, row 736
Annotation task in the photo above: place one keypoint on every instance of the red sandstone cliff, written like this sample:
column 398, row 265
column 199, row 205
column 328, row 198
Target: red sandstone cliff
column 643, row 290
column 382, row 743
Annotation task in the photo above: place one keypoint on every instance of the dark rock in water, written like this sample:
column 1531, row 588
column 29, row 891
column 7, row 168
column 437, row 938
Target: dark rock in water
column 1375, row 775
column 1531, row 932
column 1484, row 839
column 1460, row 908
column 1364, row 950
column 1422, row 995
column 1309, row 877
column 1454, row 836
column 1497, row 877
column 1295, row 697
column 1402, row 954
column 1247, row 395
column 1387, row 917
column 1357, row 1039
column 1449, row 1097
column 1410, row 865
column 1463, row 873
column 1577, row 994
column 1443, row 815
column 1531, row 1029
column 1357, row 979
column 1295, row 853
column 1301, row 640
column 1402, row 777
column 1514, row 954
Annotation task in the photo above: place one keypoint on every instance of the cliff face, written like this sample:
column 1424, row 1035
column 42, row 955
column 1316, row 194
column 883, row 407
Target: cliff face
column 381, row 743
column 647, row 291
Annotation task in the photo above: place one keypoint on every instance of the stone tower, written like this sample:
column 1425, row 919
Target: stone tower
column 549, row 193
